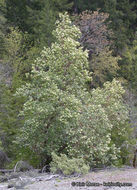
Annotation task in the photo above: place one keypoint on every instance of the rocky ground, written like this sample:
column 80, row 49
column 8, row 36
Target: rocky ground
column 112, row 179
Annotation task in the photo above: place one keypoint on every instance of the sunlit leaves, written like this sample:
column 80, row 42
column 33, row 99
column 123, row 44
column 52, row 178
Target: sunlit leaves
column 61, row 115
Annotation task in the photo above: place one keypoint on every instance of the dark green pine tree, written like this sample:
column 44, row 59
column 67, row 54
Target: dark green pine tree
column 11, row 77
column 2, row 27
column 122, row 15
column 82, row 5
column 42, row 17
column 129, row 65
column 17, row 13
column 36, row 17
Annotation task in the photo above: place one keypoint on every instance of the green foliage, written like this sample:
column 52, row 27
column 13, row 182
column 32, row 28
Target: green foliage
column 45, row 21
column 13, row 61
column 122, row 15
column 60, row 114
column 53, row 95
column 14, row 43
column 68, row 166
column 82, row 5
column 9, row 120
column 41, row 22
column 126, row 141
column 19, row 55
column 2, row 27
column 59, row 109
column 36, row 17
column 1, row 147
column 16, row 14
column 104, row 67
column 23, row 154
column 128, row 65
column 103, row 114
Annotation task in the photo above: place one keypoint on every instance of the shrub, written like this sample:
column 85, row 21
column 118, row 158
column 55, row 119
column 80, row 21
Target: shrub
column 68, row 166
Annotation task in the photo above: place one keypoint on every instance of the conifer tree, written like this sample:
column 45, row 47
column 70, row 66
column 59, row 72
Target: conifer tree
column 82, row 5
column 122, row 15
column 13, row 77
column 2, row 26
column 16, row 14
column 36, row 17
column 129, row 65
column 42, row 17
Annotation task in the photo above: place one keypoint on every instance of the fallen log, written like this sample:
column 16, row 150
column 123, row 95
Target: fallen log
column 5, row 171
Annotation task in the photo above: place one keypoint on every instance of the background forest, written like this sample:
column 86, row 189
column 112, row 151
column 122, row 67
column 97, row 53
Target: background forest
column 68, row 82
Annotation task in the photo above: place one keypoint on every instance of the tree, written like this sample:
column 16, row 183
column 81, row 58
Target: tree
column 2, row 27
column 16, row 14
column 82, row 5
column 42, row 17
column 102, row 119
column 15, row 65
column 122, row 15
column 36, row 17
column 41, row 22
column 95, row 38
column 128, row 65
column 104, row 67
column 16, row 60
column 61, row 114
column 56, row 75
column 95, row 35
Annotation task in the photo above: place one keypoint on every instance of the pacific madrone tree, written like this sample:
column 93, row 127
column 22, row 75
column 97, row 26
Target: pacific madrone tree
column 61, row 114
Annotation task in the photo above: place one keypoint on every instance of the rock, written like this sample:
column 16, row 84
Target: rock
column 19, row 183
column 10, row 186
column 3, row 186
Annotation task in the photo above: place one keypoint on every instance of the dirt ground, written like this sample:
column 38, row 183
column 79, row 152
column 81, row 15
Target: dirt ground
column 100, row 180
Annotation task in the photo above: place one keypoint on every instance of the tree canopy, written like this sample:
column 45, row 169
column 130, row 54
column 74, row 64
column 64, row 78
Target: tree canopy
column 61, row 114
